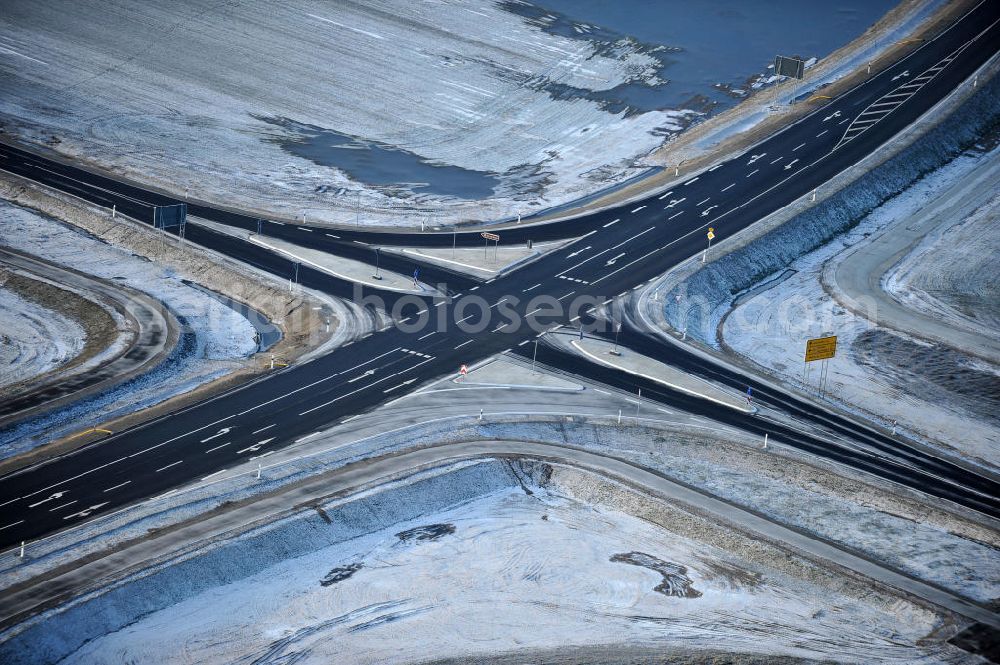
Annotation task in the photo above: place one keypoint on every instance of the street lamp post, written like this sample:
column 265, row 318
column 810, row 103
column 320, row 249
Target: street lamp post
column 377, row 274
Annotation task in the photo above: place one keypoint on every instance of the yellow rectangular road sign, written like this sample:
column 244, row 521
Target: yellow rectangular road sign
column 821, row 348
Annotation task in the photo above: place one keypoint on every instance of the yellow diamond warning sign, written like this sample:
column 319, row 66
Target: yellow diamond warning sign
column 821, row 348
column 711, row 233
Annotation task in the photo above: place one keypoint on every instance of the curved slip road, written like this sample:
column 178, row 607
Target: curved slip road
column 154, row 337
column 854, row 279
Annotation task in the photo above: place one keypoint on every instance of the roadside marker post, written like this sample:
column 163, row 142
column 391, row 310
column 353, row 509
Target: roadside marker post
column 258, row 471
column 765, row 440
column 463, row 370
column 21, row 554
column 619, row 416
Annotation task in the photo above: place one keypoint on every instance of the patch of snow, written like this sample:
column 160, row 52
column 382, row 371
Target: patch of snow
column 952, row 272
column 33, row 339
column 482, row 569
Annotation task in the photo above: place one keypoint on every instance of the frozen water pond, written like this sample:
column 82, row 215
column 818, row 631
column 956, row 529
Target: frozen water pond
column 376, row 163
column 701, row 44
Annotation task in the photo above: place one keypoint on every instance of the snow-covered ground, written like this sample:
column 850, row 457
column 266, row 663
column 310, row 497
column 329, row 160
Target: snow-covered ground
column 953, row 272
column 884, row 373
column 33, row 339
column 213, row 340
column 468, row 111
column 487, row 562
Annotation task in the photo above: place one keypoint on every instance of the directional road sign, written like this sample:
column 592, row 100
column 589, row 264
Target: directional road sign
column 821, row 348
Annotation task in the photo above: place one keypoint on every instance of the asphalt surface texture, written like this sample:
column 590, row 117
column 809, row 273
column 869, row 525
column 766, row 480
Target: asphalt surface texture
column 617, row 250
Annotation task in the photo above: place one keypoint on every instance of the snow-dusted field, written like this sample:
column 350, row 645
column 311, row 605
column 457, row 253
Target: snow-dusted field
column 953, row 272
column 506, row 571
column 887, row 373
column 33, row 339
column 436, row 112
column 214, row 335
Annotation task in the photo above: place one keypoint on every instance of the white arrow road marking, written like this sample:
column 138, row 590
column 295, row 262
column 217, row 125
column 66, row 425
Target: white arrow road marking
column 790, row 164
column 674, row 202
column 221, row 432
column 754, row 158
column 404, row 383
column 86, row 511
column 835, row 114
column 611, row 262
column 57, row 495
column 902, row 75
column 579, row 251
column 704, row 213
column 255, row 447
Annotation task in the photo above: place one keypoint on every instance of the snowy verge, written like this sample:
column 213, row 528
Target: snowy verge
column 35, row 340
column 888, row 524
column 521, row 545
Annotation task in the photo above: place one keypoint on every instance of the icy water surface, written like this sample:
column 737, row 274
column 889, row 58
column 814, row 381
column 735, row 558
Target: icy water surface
column 703, row 43
column 709, row 53
column 377, row 164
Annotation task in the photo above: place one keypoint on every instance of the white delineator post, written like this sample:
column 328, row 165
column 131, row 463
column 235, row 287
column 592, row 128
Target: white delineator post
column 765, row 440
column 21, row 554
column 258, row 472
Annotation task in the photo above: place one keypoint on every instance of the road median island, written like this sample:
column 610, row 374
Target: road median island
column 611, row 355
column 505, row 373
column 484, row 262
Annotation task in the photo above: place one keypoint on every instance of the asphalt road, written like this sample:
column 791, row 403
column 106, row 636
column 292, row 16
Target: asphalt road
column 620, row 249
